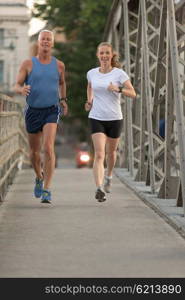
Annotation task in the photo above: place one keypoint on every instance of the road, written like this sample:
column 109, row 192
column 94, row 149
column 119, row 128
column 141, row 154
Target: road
column 78, row 237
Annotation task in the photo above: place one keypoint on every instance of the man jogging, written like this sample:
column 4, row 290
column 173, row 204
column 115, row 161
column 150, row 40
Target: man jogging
column 42, row 80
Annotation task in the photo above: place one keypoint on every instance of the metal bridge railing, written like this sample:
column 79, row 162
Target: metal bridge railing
column 13, row 142
column 150, row 38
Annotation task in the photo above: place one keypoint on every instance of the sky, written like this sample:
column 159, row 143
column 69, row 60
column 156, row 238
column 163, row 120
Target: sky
column 35, row 23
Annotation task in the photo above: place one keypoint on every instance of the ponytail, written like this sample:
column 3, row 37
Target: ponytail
column 115, row 60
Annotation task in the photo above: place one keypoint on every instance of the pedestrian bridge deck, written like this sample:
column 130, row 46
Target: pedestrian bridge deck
column 79, row 237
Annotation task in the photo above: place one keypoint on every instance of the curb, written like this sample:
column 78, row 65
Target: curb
column 165, row 208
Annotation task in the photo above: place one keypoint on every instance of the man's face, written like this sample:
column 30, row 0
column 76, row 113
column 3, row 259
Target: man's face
column 45, row 41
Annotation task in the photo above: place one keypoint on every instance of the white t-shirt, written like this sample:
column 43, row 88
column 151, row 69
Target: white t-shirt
column 106, row 104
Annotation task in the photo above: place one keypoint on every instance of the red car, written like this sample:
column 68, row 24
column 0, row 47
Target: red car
column 82, row 156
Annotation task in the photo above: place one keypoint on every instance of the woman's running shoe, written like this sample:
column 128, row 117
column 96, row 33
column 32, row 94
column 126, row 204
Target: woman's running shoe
column 100, row 195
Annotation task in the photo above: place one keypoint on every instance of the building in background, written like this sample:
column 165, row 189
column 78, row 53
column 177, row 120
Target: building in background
column 14, row 40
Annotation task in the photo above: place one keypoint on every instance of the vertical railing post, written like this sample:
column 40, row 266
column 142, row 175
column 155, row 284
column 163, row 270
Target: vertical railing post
column 148, row 94
column 177, row 93
column 128, row 100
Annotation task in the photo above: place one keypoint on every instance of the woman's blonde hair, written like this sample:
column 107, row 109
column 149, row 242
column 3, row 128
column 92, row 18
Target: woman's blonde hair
column 115, row 58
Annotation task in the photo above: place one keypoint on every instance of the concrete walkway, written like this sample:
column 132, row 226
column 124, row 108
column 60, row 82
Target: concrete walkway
column 79, row 237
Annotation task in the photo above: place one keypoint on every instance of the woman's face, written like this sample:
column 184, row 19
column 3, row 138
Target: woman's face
column 104, row 55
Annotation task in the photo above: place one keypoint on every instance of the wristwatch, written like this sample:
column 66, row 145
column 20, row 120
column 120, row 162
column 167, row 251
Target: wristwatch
column 120, row 89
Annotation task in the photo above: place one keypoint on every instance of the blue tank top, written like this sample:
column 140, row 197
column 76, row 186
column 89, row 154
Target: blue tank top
column 44, row 81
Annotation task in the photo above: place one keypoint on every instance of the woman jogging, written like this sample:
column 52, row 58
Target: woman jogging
column 105, row 84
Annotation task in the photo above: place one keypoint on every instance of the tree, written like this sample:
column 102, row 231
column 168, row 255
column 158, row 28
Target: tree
column 83, row 22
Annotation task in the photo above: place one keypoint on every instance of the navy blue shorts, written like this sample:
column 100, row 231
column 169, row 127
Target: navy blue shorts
column 111, row 129
column 36, row 118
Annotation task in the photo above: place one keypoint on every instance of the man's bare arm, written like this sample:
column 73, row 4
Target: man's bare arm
column 63, row 103
column 20, row 87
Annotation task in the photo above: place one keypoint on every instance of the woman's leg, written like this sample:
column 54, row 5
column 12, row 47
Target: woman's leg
column 99, row 142
column 111, row 154
column 111, row 147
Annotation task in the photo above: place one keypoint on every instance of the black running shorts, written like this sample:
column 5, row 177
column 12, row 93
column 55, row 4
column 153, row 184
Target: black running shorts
column 111, row 129
column 36, row 118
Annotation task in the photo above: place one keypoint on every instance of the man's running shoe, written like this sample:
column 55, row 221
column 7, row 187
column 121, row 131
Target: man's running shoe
column 100, row 195
column 107, row 184
column 38, row 187
column 46, row 196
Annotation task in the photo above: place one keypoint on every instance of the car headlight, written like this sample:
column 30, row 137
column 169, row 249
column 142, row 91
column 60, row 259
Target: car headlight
column 84, row 157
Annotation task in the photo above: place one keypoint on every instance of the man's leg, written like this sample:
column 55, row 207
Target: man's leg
column 49, row 134
column 35, row 142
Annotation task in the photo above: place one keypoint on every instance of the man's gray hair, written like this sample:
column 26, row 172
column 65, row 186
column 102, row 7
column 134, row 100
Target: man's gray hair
column 45, row 30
